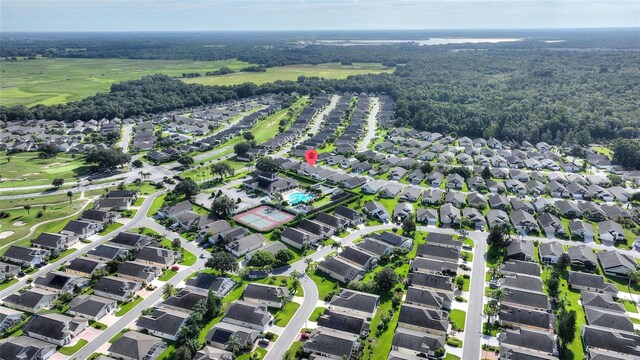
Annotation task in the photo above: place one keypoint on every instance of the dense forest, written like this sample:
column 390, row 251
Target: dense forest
column 521, row 91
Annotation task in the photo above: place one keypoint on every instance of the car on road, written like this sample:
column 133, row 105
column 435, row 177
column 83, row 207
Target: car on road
column 175, row 268
column 264, row 341
column 201, row 256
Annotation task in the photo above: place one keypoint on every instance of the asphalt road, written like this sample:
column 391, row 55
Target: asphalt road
column 371, row 125
column 473, row 322
column 297, row 322
column 126, row 138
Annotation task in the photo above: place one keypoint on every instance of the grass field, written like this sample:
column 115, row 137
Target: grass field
column 20, row 220
column 56, row 81
column 124, row 308
column 292, row 72
column 70, row 350
column 283, row 316
column 26, row 169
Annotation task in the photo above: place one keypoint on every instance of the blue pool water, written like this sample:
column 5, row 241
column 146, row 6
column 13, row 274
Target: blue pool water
column 297, row 198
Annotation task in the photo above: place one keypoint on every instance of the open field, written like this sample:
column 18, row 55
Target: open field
column 56, row 81
column 27, row 169
column 292, row 72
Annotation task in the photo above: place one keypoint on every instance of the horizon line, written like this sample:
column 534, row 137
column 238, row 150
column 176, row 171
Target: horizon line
column 314, row 30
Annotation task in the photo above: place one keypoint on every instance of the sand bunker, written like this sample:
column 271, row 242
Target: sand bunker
column 5, row 234
column 32, row 174
column 52, row 165
column 19, row 223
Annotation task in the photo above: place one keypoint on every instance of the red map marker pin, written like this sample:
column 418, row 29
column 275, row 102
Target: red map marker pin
column 311, row 156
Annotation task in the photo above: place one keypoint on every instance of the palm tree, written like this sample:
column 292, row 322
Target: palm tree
column 336, row 246
column 168, row 290
column 28, row 208
column 69, row 195
column 308, row 261
column 634, row 276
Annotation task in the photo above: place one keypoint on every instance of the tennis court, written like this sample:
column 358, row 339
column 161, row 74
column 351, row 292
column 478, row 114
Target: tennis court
column 263, row 218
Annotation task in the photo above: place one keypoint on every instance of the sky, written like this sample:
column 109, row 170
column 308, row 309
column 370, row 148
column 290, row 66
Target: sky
column 232, row 15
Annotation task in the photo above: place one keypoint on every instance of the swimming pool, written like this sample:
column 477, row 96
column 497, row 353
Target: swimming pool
column 297, row 198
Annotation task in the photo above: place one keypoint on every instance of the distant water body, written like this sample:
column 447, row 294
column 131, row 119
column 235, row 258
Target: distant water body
column 430, row 41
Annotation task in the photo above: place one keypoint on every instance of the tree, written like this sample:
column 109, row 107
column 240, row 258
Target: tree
column 183, row 353
column 486, row 173
column 386, row 279
column 336, row 246
column 137, row 163
column 28, row 208
column 553, row 285
column 248, row 136
column 175, row 244
column 426, row 167
column 261, row 259
column 107, row 158
column 69, row 195
column 308, row 262
column 169, row 290
column 491, row 309
column 626, row 152
column 496, row 237
column 564, row 261
column 48, row 151
column 222, row 169
column 186, row 160
column 223, row 206
column 267, row 164
column 284, row 256
column 213, row 305
column 233, row 344
column 566, row 327
column 408, row 227
column 241, row 148
column 57, row 182
column 222, row 261
column 187, row 187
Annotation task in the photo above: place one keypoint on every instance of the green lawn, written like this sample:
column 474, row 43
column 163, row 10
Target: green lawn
column 124, row 308
column 6, row 284
column 450, row 357
column 317, row 312
column 117, row 336
column 70, row 350
column 268, row 128
column 325, row 284
column 292, row 72
column 630, row 306
column 468, row 254
column 381, row 345
column 248, row 356
column 27, row 169
column 20, row 220
column 110, row 228
column 188, row 258
column 168, row 274
column 56, row 81
column 458, row 318
column 158, row 202
column 285, row 281
column 284, row 315
column 97, row 325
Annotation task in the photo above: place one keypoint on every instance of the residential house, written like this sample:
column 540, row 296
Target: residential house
column 334, row 345
column 341, row 270
column 156, row 256
column 550, row 252
column 205, row 282
column 250, row 315
column 616, row 263
column 418, row 318
column 219, row 336
column 520, row 250
column 84, row 266
column 134, row 345
column 356, row 303
column 54, row 328
column 25, row 348
column 266, row 295
column 91, row 307
column 136, row 271
column 246, row 244
column 31, row 300
column 53, row 242
column 582, row 256
column 25, row 256
column 60, row 282
column 163, row 323
column 115, row 288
